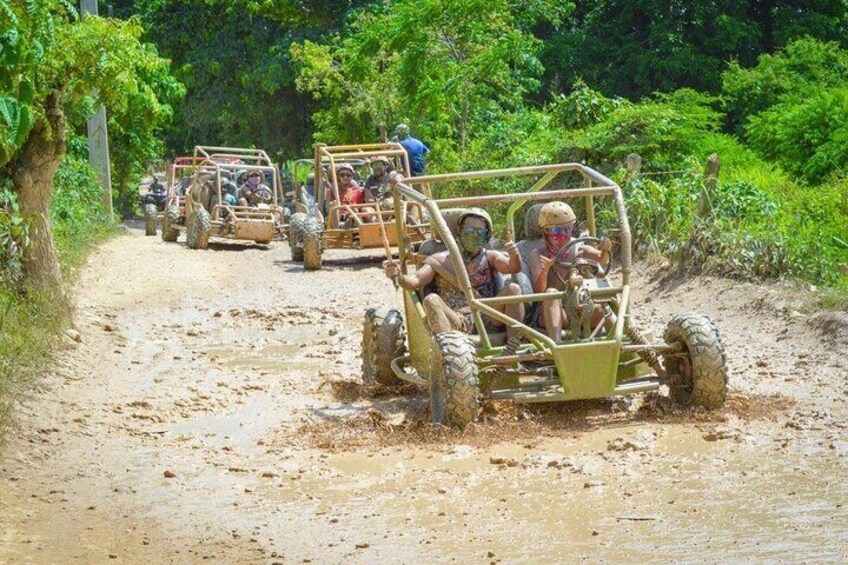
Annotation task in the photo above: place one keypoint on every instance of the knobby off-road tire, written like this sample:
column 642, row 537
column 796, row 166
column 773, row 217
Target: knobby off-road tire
column 169, row 222
column 313, row 244
column 383, row 340
column 296, row 225
column 700, row 377
column 150, row 219
column 199, row 229
column 453, row 380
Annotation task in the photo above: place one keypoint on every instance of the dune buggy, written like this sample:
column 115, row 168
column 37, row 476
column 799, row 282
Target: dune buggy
column 611, row 358
column 153, row 196
column 213, row 204
column 349, row 226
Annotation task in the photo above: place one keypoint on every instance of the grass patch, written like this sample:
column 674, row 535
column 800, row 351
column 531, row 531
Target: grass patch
column 32, row 324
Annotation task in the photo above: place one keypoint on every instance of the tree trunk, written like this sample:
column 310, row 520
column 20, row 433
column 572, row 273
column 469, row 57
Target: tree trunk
column 32, row 172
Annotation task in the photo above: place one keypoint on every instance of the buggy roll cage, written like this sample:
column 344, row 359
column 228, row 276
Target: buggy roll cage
column 217, row 159
column 597, row 185
column 338, row 154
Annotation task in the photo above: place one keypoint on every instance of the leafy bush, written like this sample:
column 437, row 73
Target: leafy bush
column 802, row 65
column 79, row 219
column 807, row 135
column 664, row 130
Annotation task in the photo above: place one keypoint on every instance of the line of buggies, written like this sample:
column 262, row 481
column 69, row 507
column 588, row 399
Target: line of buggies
column 602, row 353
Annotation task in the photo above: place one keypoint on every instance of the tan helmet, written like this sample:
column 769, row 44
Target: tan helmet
column 380, row 159
column 475, row 213
column 556, row 214
column 343, row 166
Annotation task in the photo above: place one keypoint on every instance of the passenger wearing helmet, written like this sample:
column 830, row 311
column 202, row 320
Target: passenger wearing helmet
column 558, row 224
column 253, row 191
column 349, row 191
column 376, row 189
column 375, row 184
column 446, row 308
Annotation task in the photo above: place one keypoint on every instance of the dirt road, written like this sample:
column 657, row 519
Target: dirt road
column 210, row 413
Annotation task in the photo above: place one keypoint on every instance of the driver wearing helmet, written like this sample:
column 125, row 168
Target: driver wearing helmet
column 559, row 224
column 251, row 190
column 446, row 308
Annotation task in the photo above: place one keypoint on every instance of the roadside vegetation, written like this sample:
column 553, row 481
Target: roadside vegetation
column 54, row 70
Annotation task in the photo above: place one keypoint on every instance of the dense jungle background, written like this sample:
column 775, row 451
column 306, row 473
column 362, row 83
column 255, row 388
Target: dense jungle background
column 485, row 83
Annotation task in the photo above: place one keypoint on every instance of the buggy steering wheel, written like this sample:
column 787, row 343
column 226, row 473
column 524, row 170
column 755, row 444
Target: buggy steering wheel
column 587, row 267
column 261, row 196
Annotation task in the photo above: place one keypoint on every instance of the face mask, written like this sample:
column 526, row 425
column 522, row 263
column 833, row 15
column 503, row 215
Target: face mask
column 473, row 239
column 253, row 181
column 558, row 236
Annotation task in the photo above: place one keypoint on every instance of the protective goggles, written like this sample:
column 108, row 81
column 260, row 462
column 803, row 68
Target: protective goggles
column 479, row 232
column 345, row 175
column 561, row 230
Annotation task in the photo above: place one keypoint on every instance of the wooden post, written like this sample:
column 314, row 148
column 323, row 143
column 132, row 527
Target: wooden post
column 634, row 166
column 705, row 206
column 98, row 136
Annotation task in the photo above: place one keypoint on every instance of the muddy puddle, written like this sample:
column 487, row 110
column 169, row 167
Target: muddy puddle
column 610, row 495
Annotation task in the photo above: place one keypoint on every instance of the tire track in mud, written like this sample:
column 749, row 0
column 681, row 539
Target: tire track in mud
column 214, row 413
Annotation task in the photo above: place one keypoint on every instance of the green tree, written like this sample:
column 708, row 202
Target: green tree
column 803, row 64
column 632, row 48
column 58, row 62
column 445, row 66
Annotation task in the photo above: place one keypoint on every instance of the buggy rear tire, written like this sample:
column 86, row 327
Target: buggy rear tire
column 454, row 388
column 383, row 341
column 313, row 244
column 169, row 222
column 199, row 229
column 296, row 225
column 150, row 219
column 699, row 377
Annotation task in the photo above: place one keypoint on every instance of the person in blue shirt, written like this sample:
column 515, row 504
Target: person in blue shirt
column 415, row 150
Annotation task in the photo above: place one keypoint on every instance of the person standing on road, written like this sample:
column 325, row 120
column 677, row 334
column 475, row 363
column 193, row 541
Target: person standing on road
column 415, row 150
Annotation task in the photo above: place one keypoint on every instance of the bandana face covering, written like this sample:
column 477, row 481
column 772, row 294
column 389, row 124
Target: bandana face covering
column 472, row 240
column 556, row 241
column 253, row 182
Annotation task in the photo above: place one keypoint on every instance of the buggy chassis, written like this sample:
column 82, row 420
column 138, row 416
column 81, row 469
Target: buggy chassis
column 356, row 232
column 258, row 224
column 614, row 359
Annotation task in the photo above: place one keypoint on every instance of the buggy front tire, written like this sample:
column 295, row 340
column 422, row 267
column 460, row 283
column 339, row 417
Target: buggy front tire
column 454, row 388
column 169, row 222
column 296, row 226
column 313, row 245
column 383, row 341
column 150, row 219
column 199, row 229
column 697, row 376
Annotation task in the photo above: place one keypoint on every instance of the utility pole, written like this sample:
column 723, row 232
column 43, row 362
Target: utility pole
column 98, row 135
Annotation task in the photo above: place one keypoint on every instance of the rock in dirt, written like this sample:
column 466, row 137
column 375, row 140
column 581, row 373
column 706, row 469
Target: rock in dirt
column 641, row 441
column 509, row 462
column 720, row 434
column 169, row 474
column 74, row 335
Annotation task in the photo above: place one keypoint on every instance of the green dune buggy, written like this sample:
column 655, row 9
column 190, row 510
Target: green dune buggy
column 610, row 358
